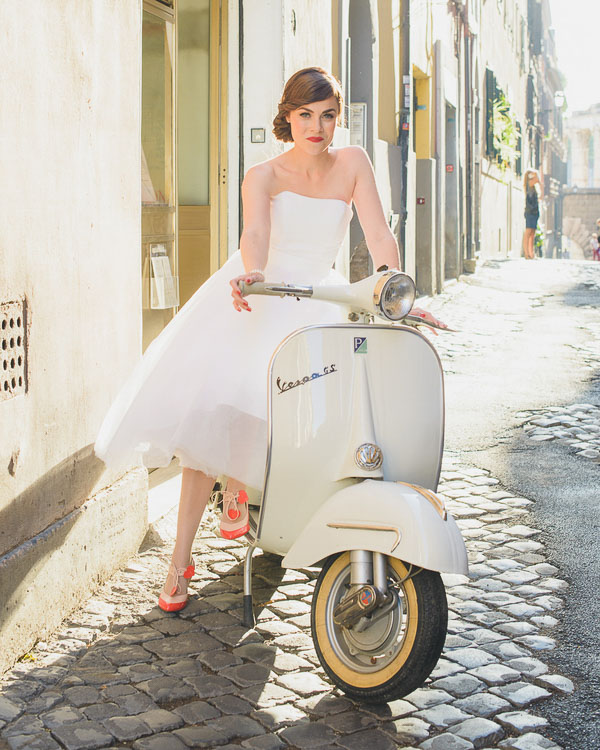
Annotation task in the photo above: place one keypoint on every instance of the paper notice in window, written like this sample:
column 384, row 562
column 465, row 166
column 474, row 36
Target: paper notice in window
column 164, row 284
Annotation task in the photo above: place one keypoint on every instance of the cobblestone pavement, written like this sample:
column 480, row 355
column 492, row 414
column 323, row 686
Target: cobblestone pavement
column 576, row 426
column 121, row 673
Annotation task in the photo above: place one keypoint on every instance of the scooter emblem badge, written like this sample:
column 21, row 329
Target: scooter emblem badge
column 360, row 344
column 368, row 457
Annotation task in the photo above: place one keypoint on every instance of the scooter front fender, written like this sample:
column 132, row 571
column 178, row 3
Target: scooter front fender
column 399, row 520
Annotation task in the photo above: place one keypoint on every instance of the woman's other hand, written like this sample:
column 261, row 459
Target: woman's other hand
column 430, row 320
column 248, row 278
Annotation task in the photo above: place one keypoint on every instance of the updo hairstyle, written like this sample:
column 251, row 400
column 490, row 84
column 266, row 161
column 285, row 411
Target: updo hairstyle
column 304, row 87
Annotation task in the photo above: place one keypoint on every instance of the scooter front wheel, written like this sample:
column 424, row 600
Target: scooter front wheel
column 391, row 652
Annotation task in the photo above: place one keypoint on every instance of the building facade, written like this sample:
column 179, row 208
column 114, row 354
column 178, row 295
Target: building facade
column 126, row 133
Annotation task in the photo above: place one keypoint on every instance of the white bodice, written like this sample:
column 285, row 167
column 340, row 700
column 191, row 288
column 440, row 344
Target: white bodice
column 306, row 230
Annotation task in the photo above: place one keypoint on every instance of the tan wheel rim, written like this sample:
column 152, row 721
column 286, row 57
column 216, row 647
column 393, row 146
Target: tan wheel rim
column 349, row 676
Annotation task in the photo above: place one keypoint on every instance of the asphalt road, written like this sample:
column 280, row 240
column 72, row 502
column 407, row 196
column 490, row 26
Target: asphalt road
column 538, row 345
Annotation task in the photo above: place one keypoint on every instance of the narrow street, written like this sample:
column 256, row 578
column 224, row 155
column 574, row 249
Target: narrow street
column 521, row 666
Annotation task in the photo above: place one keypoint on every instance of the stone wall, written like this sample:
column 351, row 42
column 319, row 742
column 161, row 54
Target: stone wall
column 581, row 209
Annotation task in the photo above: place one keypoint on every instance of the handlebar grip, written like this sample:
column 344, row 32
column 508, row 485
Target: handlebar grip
column 256, row 288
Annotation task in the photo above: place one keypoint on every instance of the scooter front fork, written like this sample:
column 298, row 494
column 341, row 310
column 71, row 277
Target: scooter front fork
column 368, row 587
column 248, row 618
column 368, row 568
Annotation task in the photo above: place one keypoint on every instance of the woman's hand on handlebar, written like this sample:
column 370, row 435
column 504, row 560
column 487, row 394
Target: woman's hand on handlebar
column 249, row 278
column 427, row 318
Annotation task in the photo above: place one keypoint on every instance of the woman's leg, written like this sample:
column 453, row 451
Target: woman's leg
column 529, row 237
column 195, row 492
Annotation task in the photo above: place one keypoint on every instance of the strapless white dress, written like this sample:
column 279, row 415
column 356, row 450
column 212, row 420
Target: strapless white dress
column 200, row 390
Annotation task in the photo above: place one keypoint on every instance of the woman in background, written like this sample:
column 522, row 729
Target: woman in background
column 532, row 189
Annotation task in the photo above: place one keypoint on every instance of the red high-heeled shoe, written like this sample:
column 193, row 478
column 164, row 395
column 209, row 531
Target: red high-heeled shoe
column 234, row 518
column 175, row 599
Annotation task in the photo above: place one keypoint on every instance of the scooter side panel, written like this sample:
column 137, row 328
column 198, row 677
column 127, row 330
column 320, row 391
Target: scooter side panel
column 321, row 378
column 381, row 517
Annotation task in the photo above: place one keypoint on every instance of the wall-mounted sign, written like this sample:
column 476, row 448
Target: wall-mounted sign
column 420, row 201
column 449, row 167
column 257, row 135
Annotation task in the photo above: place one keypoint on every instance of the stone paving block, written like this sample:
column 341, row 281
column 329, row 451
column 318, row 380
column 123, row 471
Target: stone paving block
column 196, row 712
column 166, row 689
column 182, row 668
column 207, row 686
column 32, row 742
column 82, row 696
column 374, row 739
column 138, row 634
column 505, row 650
column 350, row 721
column 185, row 645
column 496, row 674
column 276, row 717
column 216, row 620
column 303, row 683
column 262, row 696
column 311, row 735
column 236, row 727
column 264, row 742
column 537, row 642
column 544, row 621
column 482, row 704
column 9, row 710
column 172, row 626
column 27, row 724
column 127, row 728
column 99, row 711
column 218, row 660
column 471, row 657
column 459, row 685
column 120, row 655
column 446, row 741
column 520, row 721
column 442, row 715
column 295, row 641
column 555, row 682
column 247, row 674
column 160, row 720
column 160, row 742
column 426, row 697
column 523, row 610
column 44, row 702
column 231, row 704
column 203, row 737
column 529, row 741
column 408, row 730
column 56, row 717
column 478, row 731
column 529, row 666
column 83, row 735
column 517, row 627
column 237, row 636
column 323, row 705
column 520, row 694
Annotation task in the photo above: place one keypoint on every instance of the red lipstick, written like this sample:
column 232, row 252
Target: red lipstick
column 315, row 139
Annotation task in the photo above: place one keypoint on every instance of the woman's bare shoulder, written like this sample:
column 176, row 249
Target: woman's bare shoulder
column 352, row 154
column 264, row 174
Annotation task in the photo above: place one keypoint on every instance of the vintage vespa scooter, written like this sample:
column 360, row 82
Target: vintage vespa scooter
column 356, row 425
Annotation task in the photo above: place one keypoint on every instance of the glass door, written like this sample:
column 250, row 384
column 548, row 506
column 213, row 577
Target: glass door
column 159, row 193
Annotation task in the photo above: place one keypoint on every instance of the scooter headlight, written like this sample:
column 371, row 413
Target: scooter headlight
column 394, row 295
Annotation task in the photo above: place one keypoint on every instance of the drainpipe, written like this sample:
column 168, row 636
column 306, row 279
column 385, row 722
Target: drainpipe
column 241, row 114
column 469, row 139
column 405, row 122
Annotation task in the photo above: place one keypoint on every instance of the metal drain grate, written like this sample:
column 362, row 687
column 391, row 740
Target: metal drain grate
column 13, row 374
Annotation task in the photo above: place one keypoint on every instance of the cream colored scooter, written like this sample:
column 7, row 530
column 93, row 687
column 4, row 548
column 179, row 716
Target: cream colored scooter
column 356, row 428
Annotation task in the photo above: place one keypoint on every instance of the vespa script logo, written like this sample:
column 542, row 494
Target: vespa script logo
column 285, row 386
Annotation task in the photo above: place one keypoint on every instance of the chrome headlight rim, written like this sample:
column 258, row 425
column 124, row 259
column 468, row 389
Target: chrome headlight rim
column 380, row 289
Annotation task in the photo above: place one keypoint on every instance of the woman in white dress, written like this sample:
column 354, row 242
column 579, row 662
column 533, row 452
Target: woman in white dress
column 296, row 210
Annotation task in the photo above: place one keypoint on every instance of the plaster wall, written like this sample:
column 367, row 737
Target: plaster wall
column 69, row 247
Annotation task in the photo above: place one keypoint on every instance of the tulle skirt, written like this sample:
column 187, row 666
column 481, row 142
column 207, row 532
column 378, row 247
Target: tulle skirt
column 200, row 390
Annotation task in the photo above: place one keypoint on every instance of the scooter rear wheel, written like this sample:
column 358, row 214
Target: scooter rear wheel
column 385, row 657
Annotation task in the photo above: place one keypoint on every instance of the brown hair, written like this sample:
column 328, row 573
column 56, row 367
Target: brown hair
column 304, row 87
column 529, row 173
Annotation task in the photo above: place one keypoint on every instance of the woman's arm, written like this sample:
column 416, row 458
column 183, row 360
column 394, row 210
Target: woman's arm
column 382, row 244
column 254, row 242
column 380, row 240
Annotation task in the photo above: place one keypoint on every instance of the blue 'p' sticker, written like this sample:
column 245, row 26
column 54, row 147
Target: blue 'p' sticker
column 360, row 344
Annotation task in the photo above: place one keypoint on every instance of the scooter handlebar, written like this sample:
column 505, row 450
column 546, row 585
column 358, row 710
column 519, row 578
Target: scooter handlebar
column 274, row 289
